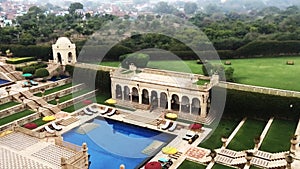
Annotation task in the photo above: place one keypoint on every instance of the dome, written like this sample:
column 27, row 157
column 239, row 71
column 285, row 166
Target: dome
column 63, row 41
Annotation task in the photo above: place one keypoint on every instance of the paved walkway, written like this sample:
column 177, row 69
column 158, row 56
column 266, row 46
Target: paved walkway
column 264, row 133
column 234, row 132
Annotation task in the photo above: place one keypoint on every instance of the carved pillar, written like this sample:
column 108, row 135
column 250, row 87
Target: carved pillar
column 203, row 104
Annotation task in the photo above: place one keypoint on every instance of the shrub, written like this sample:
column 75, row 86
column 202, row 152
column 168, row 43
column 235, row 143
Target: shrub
column 227, row 63
column 229, row 74
column 29, row 69
column 138, row 59
column 41, row 72
column 35, row 65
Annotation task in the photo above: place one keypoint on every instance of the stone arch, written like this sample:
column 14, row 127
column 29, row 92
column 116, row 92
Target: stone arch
column 163, row 100
column 70, row 57
column 154, row 99
column 175, row 102
column 118, row 92
column 59, row 58
column 196, row 108
column 135, row 95
column 145, row 96
column 185, row 104
column 126, row 93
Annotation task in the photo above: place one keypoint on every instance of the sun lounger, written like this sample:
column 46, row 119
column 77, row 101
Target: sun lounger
column 167, row 125
column 26, row 84
column 47, row 128
column 34, row 83
column 188, row 135
column 56, row 127
column 113, row 111
column 91, row 110
column 87, row 112
column 173, row 127
column 103, row 111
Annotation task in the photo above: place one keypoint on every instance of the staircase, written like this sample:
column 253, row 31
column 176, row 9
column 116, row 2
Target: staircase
column 9, row 71
column 52, row 67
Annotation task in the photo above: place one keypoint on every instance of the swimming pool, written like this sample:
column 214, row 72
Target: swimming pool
column 112, row 143
column 4, row 82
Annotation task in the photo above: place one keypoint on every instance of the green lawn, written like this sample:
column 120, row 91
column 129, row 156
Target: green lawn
column 55, row 89
column 243, row 140
column 225, row 128
column 15, row 116
column 254, row 167
column 191, row 165
column 278, row 136
column 7, row 105
column 70, row 96
column 268, row 72
column 39, row 122
column 219, row 166
column 74, row 107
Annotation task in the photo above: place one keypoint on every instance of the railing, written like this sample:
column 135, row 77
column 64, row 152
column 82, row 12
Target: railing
column 76, row 100
column 11, row 110
column 32, row 133
column 50, row 85
column 63, row 92
column 67, row 145
column 20, row 121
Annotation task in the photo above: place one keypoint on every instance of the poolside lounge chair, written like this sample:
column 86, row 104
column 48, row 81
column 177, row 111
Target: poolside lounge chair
column 103, row 111
column 34, row 83
column 167, row 125
column 56, row 127
column 26, row 84
column 91, row 110
column 189, row 135
column 113, row 111
column 47, row 128
column 173, row 127
column 87, row 112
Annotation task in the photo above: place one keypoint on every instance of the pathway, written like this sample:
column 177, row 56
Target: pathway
column 234, row 132
column 264, row 133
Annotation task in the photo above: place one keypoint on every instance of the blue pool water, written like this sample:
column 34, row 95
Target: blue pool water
column 113, row 143
column 3, row 82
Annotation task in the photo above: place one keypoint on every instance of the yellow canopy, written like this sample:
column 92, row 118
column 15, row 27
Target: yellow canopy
column 5, row 133
column 171, row 116
column 111, row 101
column 169, row 150
column 48, row 118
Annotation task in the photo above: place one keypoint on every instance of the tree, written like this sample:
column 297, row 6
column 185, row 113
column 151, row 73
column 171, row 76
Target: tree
column 190, row 7
column 229, row 74
column 41, row 72
column 27, row 39
column 164, row 7
column 74, row 6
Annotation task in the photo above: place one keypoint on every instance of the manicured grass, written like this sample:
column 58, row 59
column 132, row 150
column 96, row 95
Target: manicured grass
column 7, row 105
column 219, row 166
column 15, row 116
column 254, row 167
column 225, row 128
column 74, row 107
column 55, row 89
column 243, row 140
column 269, row 72
column 39, row 122
column 70, row 96
column 191, row 165
column 278, row 136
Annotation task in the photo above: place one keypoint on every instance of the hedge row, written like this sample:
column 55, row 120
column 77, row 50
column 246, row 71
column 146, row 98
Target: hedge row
column 263, row 106
column 35, row 65
column 102, row 78
column 92, row 53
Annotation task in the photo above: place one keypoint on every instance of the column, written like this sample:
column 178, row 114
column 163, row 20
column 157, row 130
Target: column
column 113, row 91
column 169, row 102
column 203, row 105
column 158, row 102
column 180, row 100
column 140, row 97
column 191, row 108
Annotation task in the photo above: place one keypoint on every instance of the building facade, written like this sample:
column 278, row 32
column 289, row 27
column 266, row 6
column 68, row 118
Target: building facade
column 64, row 52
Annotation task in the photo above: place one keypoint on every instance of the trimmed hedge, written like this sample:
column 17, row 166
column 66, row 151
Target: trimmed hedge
column 264, row 48
column 19, row 60
column 35, row 65
column 41, row 72
column 43, row 52
column 29, row 69
column 262, row 106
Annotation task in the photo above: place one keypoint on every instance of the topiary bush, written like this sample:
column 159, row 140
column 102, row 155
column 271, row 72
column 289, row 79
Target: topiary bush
column 29, row 69
column 41, row 72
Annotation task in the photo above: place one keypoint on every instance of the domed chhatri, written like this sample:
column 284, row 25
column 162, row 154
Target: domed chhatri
column 64, row 51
